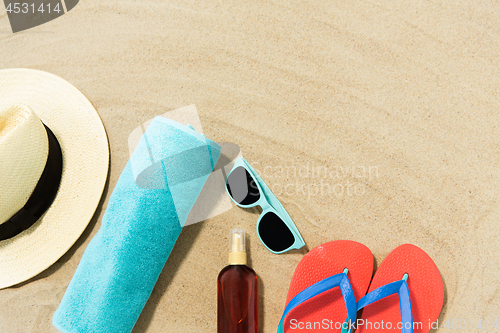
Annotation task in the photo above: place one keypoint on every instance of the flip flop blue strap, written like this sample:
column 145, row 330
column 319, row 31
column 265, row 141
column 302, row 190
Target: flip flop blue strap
column 339, row 280
column 400, row 288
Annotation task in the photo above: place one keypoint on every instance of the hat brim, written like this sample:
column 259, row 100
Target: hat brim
column 81, row 135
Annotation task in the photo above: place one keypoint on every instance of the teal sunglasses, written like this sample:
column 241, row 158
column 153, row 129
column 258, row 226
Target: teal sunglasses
column 275, row 228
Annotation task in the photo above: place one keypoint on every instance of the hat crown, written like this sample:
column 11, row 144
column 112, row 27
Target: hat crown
column 23, row 154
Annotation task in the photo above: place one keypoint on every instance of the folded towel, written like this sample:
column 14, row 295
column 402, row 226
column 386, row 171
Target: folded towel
column 144, row 218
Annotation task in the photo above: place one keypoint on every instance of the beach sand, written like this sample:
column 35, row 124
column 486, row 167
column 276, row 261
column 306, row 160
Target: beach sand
column 397, row 101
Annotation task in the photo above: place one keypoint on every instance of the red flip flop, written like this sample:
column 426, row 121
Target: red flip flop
column 406, row 294
column 314, row 302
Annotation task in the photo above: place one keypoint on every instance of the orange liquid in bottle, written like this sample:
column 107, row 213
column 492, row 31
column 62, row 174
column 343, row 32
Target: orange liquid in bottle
column 237, row 292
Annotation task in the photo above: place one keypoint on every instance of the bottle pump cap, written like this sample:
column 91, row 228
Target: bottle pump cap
column 237, row 249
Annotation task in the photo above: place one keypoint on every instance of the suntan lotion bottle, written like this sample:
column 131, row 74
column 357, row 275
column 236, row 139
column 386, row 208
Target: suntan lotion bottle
column 237, row 290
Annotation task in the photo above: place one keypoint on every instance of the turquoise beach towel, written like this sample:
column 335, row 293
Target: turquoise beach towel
column 143, row 219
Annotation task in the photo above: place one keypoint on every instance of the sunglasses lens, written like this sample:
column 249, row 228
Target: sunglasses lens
column 275, row 233
column 241, row 187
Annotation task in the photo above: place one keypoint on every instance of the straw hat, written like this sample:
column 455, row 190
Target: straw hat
column 54, row 160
